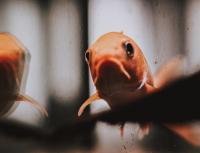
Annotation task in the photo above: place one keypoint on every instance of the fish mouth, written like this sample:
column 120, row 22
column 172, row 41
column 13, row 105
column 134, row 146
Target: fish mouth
column 110, row 75
column 108, row 65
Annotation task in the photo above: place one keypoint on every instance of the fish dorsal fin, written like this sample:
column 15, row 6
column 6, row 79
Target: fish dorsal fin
column 34, row 103
column 170, row 71
column 92, row 98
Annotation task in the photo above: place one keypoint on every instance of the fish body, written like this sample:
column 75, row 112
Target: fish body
column 119, row 70
column 14, row 60
column 120, row 74
column 115, row 71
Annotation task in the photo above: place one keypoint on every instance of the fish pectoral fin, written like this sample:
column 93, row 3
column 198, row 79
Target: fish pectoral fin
column 122, row 129
column 143, row 130
column 87, row 102
column 34, row 103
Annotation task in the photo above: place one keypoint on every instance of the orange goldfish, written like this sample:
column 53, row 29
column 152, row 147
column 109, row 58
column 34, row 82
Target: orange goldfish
column 14, row 57
column 120, row 73
column 119, row 70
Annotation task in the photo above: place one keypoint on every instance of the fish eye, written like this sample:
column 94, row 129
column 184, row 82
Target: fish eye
column 87, row 56
column 129, row 49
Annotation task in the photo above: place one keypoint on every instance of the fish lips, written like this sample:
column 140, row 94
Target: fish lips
column 110, row 75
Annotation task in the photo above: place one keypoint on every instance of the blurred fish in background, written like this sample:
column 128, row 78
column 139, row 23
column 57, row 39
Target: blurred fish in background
column 14, row 62
column 54, row 33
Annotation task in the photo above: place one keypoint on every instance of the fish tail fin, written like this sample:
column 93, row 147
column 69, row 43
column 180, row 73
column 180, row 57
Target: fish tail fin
column 170, row 71
column 87, row 102
column 34, row 103
column 188, row 131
